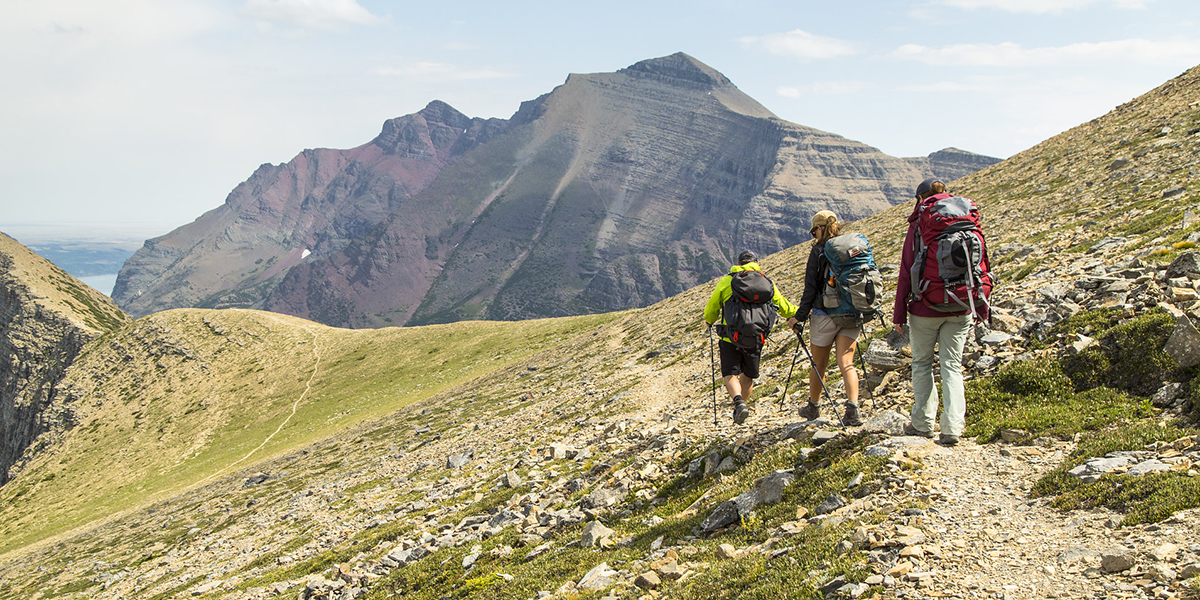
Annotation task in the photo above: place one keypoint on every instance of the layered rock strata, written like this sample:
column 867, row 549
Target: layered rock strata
column 46, row 318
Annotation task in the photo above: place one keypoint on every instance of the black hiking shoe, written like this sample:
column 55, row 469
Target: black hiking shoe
column 851, row 418
column 910, row 430
column 810, row 412
column 948, row 440
column 740, row 412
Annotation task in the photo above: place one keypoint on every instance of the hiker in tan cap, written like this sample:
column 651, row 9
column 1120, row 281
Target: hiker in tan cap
column 824, row 333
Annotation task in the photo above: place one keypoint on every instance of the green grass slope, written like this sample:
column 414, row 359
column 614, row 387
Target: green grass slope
column 178, row 398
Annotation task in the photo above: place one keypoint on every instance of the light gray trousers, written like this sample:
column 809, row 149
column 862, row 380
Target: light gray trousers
column 950, row 334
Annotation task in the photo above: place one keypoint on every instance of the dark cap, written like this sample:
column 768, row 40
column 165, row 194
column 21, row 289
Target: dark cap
column 927, row 186
column 747, row 256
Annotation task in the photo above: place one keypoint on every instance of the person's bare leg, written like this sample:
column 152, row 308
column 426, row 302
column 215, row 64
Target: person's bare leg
column 820, row 355
column 845, row 361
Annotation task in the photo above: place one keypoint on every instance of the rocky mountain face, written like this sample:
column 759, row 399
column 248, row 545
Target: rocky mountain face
column 613, row 191
column 46, row 318
column 312, row 206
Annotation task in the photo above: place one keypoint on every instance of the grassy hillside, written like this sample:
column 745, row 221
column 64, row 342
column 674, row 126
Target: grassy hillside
column 178, row 398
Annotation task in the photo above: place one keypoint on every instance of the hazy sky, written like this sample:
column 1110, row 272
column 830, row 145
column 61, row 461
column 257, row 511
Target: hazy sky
column 151, row 111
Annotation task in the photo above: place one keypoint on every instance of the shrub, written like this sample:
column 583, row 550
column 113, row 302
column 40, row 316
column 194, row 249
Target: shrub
column 1128, row 357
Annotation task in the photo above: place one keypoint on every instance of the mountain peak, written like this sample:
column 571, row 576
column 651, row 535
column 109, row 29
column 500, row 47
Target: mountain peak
column 678, row 66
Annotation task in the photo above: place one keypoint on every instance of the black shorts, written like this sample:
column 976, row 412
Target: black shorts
column 738, row 361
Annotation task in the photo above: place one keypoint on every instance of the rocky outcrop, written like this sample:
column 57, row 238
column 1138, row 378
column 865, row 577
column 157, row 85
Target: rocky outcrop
column 46, row 318
column 951, row 163
column 232, row 256
column 613, row 191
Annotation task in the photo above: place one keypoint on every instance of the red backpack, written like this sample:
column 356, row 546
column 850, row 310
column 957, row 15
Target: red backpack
column 950, row 268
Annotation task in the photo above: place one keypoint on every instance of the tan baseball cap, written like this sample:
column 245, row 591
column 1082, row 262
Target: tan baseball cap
column 822, row 218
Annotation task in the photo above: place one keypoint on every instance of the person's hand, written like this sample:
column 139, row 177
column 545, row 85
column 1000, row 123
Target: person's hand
column 899, row 327
column 791, row 322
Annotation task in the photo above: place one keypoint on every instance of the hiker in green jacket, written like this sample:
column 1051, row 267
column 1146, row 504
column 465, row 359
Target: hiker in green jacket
column 739, row 365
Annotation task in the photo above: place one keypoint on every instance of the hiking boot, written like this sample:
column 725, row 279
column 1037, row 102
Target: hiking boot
column 851, row 418
column 910, row 430
column 740, row 412
column 948, row 440
column 810, row 412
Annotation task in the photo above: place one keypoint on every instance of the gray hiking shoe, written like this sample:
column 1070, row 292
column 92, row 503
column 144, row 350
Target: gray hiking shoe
column 851, row 418
column 740, row 412
column 910, row 430
column 948, row 440
column 810, row 412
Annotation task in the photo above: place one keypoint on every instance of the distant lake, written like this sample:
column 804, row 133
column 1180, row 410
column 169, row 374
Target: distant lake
column 94, row 253
column 101, row 283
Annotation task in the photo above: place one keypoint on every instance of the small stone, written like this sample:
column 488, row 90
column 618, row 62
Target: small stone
column 1165, row 552
column 511, row 479
column 456, row 461
column 821, row 437
column 724, row 515
column 1161, row 573
column 771, row 487
column 1115, row 559
column 833, row 586
column 648, row 580
column 600, row 577
column 594, row 533
column 1190, row 571
column 670, row 571
column 832, row 503
column 1013, row 435
column 726, row 552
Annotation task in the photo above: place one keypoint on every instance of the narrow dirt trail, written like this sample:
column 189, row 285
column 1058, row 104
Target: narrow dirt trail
column 295, row 405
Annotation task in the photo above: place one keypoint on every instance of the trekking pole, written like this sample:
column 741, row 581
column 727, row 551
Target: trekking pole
column 713, row 360
column 787, row 382
column 821, row 378
column 862, row 362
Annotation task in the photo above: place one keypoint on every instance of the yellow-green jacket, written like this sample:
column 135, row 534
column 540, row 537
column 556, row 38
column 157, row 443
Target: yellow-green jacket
column 724, row 291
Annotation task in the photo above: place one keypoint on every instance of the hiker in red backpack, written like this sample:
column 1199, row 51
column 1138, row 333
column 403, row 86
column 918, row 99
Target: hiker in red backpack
column 944, row 282
column 824, row 331
column 746, row 304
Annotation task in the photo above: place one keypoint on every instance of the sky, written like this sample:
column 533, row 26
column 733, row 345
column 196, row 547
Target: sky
column 147, row 113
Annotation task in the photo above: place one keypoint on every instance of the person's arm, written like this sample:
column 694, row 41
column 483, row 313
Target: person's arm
column 786, row 309
column 812, row 284
column 904, row 280
column 712, row 310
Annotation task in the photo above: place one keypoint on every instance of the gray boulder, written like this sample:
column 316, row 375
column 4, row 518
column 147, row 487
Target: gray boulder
column 726, row 514
column 600, row 577
column 889, row 422
column 1091, row 470
column 455, row 461
column 594, row 534
column 1184, row 343
column 832, row 503
column 1115, row 559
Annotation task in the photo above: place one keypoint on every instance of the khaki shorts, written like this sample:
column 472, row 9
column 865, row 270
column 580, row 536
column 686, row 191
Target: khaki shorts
column 822, row 330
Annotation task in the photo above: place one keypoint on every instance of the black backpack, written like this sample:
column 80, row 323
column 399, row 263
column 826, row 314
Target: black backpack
column 749, row 313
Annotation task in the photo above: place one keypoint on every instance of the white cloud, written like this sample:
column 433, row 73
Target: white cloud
column 310, row 14
column 822, row 88
column 436, row 71
column 1040, row 6
column 1009, row 54
column 119, row 22
column 801, row 44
